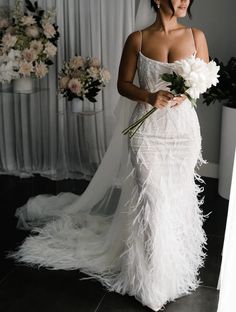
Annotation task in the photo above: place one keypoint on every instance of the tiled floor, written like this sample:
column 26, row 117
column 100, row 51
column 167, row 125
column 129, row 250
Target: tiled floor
column 39, row 290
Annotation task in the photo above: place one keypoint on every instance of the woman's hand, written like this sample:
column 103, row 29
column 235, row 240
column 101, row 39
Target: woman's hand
column 162, row 98
column 178, row 99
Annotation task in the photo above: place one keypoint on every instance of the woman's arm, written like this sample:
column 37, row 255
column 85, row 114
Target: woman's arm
column 127, row 70
column 201, row 44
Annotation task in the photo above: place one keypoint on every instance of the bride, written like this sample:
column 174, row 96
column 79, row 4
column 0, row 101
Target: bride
column 138, row 226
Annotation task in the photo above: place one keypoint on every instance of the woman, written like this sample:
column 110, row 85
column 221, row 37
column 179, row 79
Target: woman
column 164, row 152
column 152, row 246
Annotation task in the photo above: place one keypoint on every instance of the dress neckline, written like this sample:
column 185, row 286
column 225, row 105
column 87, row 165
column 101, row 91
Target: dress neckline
column 164, row 63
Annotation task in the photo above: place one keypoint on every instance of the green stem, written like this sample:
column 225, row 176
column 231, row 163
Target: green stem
column 136, row 129
column 137, row 122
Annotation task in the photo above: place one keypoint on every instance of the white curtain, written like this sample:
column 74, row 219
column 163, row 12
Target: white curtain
column 227, row 280
column 38, row 132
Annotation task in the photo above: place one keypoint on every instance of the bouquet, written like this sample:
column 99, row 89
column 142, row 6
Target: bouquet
column 225, row 91
column 28, row 38
column 82, row 78
column 191, row 77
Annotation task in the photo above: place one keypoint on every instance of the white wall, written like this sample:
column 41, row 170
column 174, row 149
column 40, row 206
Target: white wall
column 217, row 19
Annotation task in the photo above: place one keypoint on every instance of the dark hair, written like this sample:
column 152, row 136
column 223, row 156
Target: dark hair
column 153, row 5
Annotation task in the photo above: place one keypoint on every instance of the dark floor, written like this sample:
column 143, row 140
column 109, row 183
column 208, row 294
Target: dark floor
column 40, row 290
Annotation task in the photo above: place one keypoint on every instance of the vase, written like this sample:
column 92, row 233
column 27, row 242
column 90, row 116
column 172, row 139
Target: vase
column 227, row 148
column 23, row 85
column 76, row 105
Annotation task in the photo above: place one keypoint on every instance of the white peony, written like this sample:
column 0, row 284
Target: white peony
column 198, row 75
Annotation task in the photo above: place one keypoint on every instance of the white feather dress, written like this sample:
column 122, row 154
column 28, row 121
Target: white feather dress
column 152, row 246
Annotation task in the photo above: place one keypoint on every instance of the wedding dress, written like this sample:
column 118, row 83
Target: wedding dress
column 152, row 245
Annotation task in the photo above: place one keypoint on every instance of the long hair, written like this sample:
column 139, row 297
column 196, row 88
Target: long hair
column 153, row 5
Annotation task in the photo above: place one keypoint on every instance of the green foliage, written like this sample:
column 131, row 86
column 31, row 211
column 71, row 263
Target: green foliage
column 176, row 83
column 225, row 90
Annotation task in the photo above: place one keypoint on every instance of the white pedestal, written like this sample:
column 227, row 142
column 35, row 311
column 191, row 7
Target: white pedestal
column 227, row 148
column 23, row 85
column 76, row 105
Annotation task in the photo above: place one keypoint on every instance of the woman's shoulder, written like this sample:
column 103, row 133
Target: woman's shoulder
column 199, row 37
column 134, row 36
column 198, row 33
column 134, row 39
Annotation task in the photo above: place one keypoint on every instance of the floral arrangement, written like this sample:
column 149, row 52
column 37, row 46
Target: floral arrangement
column 28, row 38
column 225, row 91
column 191, row 77
column 82, row 78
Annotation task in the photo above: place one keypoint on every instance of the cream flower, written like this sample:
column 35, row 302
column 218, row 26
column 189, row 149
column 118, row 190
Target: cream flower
column 94, row 62
column 75, row 86
column 49, row 30
column 28, row 20
column 63, row 82
column 41, row 69
column 50, row 49
column 4, row 23
column 32, row 31
column 29, row 55
column 36, row 45
column 9, row 41
column 106, row 76
column 94, row 72
column 10, row 30
column 76, row 62
column 26, row 68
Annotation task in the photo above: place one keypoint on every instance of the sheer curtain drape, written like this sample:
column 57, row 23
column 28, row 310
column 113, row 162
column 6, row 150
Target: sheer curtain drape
column 38, row 133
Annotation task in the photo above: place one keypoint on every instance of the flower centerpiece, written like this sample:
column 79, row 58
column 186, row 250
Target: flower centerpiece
column 28, row 42
column 190, row 77
column 82, row 77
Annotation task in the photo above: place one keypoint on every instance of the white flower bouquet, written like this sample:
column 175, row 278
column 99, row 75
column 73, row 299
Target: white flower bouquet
column 82, row 78
column 190, row 77
column 28, row 38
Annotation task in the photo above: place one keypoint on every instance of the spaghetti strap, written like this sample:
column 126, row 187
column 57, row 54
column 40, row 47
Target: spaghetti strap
column 141, row 39
column 194, row 42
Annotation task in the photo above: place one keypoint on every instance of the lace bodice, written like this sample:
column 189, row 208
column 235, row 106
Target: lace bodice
column 150, row 71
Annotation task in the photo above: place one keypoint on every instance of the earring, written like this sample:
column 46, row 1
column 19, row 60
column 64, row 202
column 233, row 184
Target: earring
column 158, row 6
